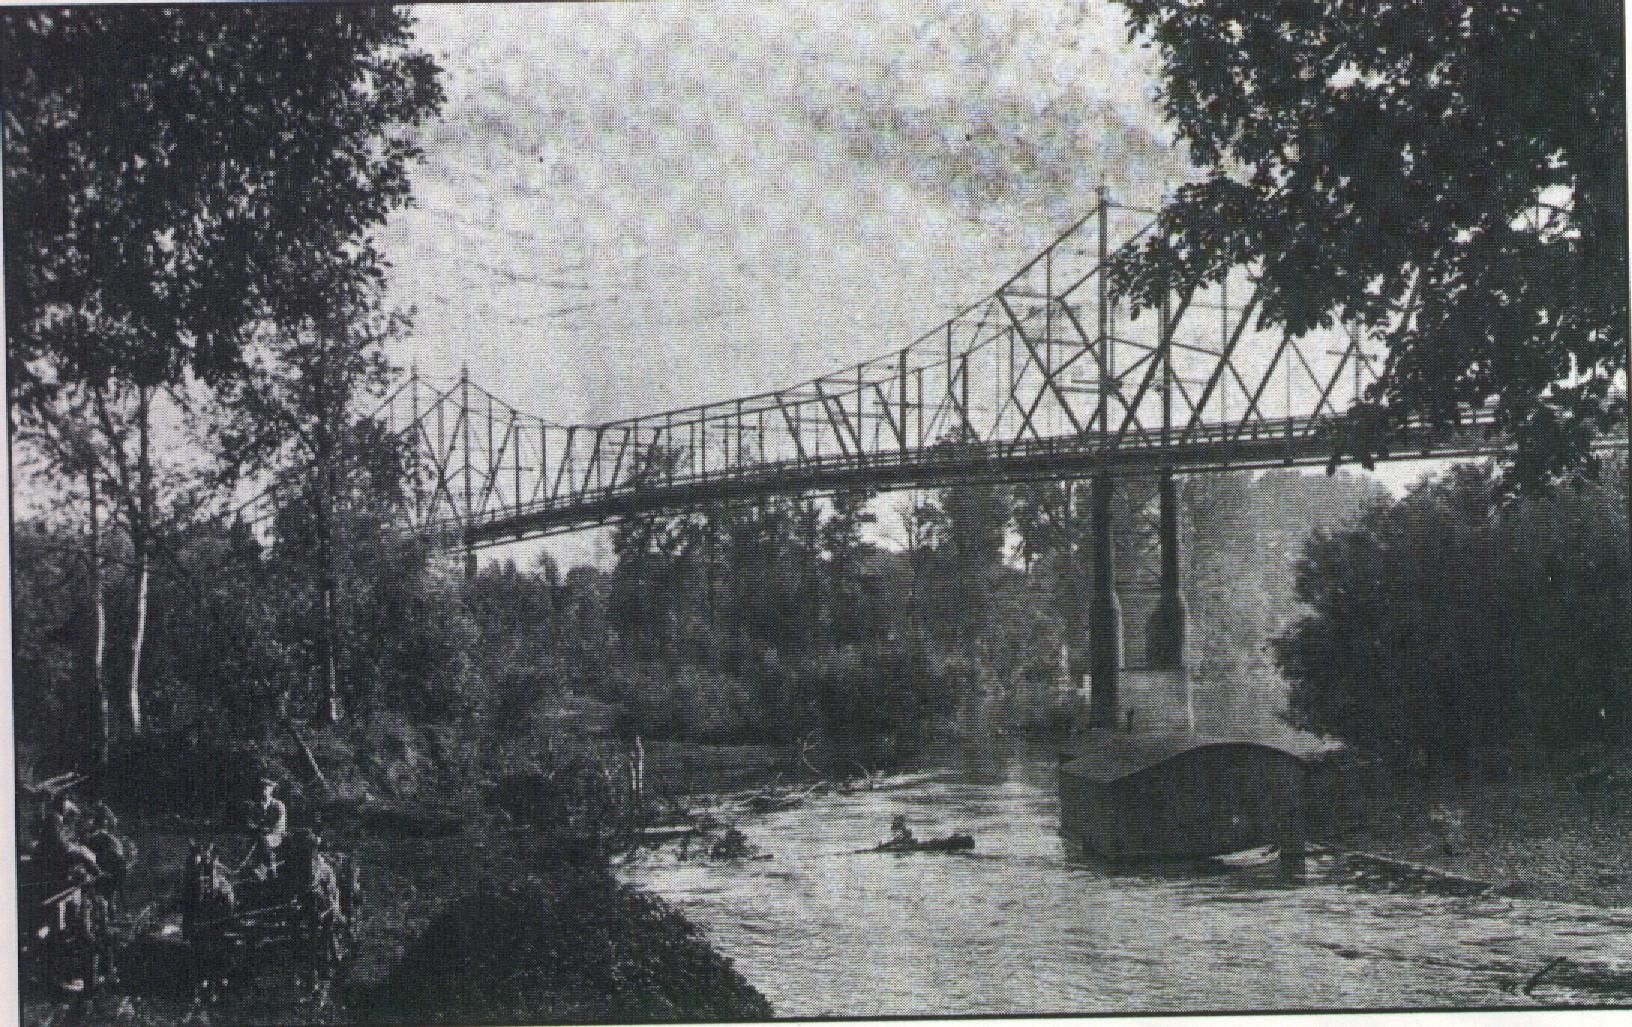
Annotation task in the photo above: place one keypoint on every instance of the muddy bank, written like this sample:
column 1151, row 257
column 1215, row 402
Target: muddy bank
column 1558, row 835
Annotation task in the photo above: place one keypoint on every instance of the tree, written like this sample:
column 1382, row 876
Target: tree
column 1449, row 627
column 68, row 450
column 294, row 412
column 175, row 177
column 849, row 614
column 1448, row 173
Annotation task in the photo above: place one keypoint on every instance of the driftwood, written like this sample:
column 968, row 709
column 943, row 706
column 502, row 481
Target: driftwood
column 51, row 786
column 306, row 755
column 1535, row 979
column 659, row 835
column 1370, row 868
column 764, row 803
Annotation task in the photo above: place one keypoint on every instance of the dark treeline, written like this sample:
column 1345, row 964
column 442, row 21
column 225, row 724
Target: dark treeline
column 194, row 318
column 1459, row 629
column 769, row 622
column 778, row 620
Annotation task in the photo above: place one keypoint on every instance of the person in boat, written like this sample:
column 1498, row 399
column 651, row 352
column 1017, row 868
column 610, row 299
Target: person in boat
column 900, row 833
column 733, row 844
column 270, row 822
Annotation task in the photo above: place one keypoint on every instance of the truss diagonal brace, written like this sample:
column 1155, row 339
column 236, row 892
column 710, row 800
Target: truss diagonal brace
column 1162, row 345
column 1048, row 374
column 1224, row 360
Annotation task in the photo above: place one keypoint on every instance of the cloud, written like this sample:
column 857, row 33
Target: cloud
column 748, row 194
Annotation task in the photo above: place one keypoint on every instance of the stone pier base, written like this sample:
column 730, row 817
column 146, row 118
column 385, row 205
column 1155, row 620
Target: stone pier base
column 1158, row 701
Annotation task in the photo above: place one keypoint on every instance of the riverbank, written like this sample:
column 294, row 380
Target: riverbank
column 433, row 887
column 445, row 867
column 1537, row 834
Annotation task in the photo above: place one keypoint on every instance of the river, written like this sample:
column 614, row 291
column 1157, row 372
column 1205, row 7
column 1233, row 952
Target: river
column 1021, row 927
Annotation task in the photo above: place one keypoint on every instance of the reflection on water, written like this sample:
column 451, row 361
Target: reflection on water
column 1020, row 927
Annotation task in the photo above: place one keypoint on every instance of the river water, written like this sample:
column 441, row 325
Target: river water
column 1021, row 927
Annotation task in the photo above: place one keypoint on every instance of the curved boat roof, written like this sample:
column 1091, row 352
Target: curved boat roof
column 1107, row 756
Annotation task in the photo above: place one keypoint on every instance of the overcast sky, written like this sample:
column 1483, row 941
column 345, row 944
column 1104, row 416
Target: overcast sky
column 632, row 206
column 627, row 207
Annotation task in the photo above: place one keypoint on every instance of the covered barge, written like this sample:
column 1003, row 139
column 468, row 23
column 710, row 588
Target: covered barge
column 1180, row 796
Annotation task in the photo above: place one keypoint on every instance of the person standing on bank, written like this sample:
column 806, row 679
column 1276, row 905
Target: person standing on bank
column 270, row 822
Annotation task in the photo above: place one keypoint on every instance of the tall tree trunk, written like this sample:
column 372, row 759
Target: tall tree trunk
column 327, row 669
column 99, row 614
column 140, row 531
column 332, row 711
column 328, row 447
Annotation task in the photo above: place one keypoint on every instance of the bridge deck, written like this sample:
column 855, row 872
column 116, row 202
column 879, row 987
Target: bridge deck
column 1282, row 443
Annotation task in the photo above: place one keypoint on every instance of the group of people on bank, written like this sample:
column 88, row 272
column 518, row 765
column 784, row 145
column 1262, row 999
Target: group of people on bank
column 76, row 846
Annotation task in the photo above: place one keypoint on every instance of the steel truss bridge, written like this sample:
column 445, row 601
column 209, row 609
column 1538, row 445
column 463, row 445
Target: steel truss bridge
column 1047, row 377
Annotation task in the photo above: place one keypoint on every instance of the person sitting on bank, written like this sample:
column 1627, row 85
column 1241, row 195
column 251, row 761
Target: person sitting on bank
column 270, row 822
column 900, row 833
column 116, row 853
column 60, row 849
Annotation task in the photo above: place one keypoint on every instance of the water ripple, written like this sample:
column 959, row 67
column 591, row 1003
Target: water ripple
column 1018, row 927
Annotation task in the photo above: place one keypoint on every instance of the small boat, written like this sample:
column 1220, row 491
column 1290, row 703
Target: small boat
column 1247, row 859
column 950, row 843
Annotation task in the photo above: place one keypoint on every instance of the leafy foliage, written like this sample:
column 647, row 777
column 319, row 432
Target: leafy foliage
column 1448, row 626
column 1449, row 173
column 176, row 175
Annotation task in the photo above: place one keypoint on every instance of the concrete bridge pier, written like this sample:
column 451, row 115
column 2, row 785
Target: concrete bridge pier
column 1104, row 610
column 1157, row 698
column 1165, row 645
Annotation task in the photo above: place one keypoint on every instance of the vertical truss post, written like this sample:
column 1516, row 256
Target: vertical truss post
column 1354, row 343
column 1165, row 327
column 923, row 433
column 464, row 403
column 515, row 435
column 1223, row 341
column 1048, row 325
column 902, row 380
column 1104, row 413
column 419, row 433
column 968, row 417
column 1104, row 610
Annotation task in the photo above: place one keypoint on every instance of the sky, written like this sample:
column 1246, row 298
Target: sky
column 628, row 207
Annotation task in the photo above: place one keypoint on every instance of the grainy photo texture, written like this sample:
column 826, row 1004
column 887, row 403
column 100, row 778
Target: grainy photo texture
column 714, row 511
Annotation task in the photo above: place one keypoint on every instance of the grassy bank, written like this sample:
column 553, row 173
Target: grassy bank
column 573, row 946
column 471, row 914
column 1541, row 833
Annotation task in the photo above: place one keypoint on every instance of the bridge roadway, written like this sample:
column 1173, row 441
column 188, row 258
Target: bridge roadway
column 1283, row 442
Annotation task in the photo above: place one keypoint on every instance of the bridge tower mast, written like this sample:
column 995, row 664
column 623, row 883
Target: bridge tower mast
column 1104, row 610
column 470, row 506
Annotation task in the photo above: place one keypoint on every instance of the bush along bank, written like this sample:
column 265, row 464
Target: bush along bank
column 571, row 945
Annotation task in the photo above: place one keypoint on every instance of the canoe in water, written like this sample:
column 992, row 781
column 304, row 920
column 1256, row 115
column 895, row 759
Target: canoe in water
column 951, row 843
